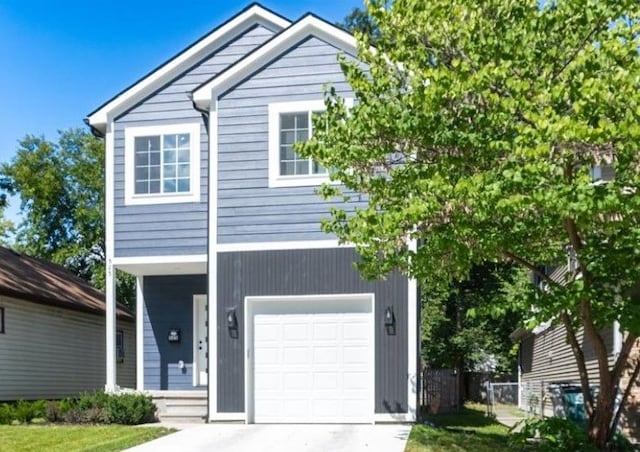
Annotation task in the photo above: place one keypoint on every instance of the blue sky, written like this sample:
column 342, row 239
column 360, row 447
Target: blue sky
column 61, row 59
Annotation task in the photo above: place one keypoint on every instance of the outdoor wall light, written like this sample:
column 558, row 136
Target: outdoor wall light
column 232, row 320
column 389, row 317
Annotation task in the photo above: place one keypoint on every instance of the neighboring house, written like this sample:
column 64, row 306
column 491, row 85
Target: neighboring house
column 52, row 332
column 240, row 294
column 547, row 363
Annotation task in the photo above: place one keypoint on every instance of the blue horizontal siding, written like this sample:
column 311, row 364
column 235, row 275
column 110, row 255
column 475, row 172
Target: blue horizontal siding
column 248, row 210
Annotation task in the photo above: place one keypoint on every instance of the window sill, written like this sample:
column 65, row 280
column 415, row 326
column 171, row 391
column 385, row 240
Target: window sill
column 298, row 181
column 140, row 200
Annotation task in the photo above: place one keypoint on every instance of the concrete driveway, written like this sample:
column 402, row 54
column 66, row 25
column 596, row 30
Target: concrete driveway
column 283, row 438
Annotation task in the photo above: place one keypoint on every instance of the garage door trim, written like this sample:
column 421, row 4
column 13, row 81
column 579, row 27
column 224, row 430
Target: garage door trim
column 262, row 303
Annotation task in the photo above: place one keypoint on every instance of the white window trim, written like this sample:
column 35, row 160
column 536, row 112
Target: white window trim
column 275, row 110
column 130, row 133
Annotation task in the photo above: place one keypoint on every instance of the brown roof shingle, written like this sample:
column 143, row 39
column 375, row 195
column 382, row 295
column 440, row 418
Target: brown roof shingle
column 39, row 281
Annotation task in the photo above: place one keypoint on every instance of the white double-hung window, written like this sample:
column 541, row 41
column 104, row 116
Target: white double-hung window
column 290, row 123
column 162, row 164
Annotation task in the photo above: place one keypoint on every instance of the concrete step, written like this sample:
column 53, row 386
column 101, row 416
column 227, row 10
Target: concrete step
column 181, row 406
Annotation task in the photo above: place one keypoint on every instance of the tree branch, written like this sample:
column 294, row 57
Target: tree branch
column 582, row 368
column 621, row 361
column 625, row 396
column 582, row 45
column 525, row 263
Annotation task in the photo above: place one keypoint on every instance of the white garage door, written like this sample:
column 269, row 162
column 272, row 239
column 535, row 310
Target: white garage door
column 313, row 362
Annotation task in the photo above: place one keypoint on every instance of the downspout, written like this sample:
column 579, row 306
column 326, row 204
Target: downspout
column 205, row 118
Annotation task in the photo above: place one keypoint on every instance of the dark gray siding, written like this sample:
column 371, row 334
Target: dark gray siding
column 169, row 304
column 249, row 211
column 49, row 352
column 308, row 272
column 180, row 228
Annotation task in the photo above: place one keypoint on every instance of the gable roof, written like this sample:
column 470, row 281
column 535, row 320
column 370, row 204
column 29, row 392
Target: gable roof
column 38, row 281
column 252, row 14
column 307, row 25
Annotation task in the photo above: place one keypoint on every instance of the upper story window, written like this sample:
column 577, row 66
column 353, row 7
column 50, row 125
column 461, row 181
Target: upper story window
column 290, row 123
column 162, row 164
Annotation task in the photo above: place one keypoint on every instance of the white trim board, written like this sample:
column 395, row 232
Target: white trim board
column 412, row 338
column 274, row 246
column 174, row 67
column 204, row 95
column 140, row 333
column 163, row 265
column 212, row 264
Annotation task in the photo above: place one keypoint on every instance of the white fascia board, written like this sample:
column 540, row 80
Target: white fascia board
column 174, row 67
column 307, row 26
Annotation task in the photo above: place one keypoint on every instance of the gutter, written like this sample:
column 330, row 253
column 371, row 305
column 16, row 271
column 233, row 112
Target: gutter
column 94, row 131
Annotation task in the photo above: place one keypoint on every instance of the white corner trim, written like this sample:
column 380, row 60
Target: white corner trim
column 193, row 195
column 212, row 267
column 174, row 67
column 139, row 333
column 304, row 27
column 412, row 337
column 274, row 246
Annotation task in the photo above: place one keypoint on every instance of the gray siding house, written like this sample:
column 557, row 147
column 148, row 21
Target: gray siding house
column 52, row 332
column 241, row 296
column 547, row 363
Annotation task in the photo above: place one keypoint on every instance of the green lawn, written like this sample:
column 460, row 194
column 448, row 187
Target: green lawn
column 468, row 430
column 67, row 438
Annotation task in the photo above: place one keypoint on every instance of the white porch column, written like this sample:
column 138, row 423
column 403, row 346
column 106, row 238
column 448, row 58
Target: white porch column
column 110, row 295
column 139, row 334
column 110, row 289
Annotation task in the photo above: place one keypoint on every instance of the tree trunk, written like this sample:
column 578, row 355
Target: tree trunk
column 599, row 427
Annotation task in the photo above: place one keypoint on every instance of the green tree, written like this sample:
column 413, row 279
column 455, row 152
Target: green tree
column 474, row 132
column 469, row 330
column 6, row 229
column 61, row 188
column 358, row 21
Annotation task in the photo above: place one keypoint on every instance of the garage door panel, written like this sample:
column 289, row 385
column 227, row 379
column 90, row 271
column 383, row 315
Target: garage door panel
column 354, row 355
column 325, row 332
column 295, row 332
column 295, row 356
column 268, row 356
column 313, row 367
column 268, row 381
column 298, row 381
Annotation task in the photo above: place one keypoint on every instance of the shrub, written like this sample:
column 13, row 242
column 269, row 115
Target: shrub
column 89, row 400
column 95, row 416
column 73, row 416
column 551, row 434
column 6, row 413
column 24, row 411
column 52, row 411
column 130, row 409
